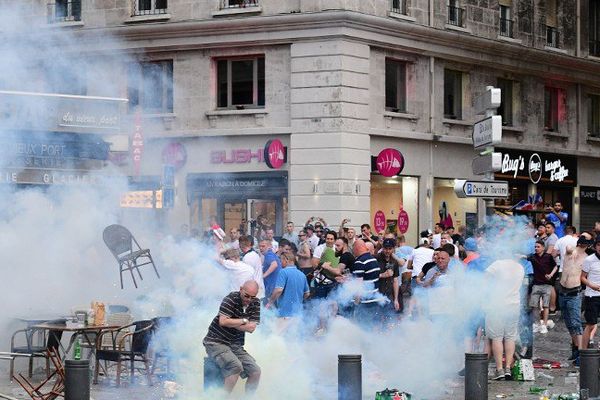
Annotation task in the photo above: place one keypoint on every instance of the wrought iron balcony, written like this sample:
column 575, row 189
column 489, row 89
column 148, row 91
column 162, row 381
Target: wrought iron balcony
column 64, row 11
column 149, row 7
column 551, row 37
column 506, row 27
column 238, row 3
column 456, row 16
column 399, row 7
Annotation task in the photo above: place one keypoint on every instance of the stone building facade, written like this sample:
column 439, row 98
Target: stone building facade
column 338, row 81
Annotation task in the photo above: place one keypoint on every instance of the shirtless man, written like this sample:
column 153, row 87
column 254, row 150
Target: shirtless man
column 570, row 291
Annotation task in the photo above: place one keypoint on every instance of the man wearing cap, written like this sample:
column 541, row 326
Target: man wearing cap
column 569, row 290
column 389, row 266
column 590, row 277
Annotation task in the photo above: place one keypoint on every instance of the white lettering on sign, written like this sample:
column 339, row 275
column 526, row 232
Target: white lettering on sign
column 535, row 166
column 557, row 171
column 513, row 165
column 69, row 119
column 222, row 184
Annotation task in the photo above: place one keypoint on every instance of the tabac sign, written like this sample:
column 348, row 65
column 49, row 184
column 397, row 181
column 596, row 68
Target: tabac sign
column 538, row 167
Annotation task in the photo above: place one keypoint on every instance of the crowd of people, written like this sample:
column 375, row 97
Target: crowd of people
column 523, row 274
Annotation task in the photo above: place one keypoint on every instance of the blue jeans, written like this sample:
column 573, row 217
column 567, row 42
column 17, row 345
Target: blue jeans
column 571, row 312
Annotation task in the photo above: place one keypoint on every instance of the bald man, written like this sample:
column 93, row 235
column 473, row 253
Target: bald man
column 239, row 313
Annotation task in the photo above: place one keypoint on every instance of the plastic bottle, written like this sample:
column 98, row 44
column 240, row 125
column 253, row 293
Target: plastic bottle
column 77, row 350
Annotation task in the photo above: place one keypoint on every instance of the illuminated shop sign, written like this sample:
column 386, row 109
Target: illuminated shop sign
column 538, row 167
column 236, row 156
column 589, row 194
column 389, row 162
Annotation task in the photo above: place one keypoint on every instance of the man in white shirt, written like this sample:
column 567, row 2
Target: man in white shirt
column 590, row 277
column 438, row 229
column 560, row 247
column 274, row 244
column 290, row 235
column 239, row 271
column 234, row 239
column 419, row 257
column 252, row 258
column 313, row 240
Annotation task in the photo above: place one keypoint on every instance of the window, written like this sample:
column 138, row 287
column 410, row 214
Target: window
column 551, row 24
column 452, row 94
column 399, row 7
column 595, row 27
column 64, row 10
column 238, row 3
column 149, row 7
column 506, row 101
column 554, row 108
column 395, row 86
column 594, row 116
column 241, row 83
column 151, row 86
column 455, row 13
column 506, row 27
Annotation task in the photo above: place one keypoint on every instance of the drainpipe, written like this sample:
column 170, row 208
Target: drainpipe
column 578, row 24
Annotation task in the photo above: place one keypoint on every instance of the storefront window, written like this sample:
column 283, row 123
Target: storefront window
column 450, row 210
column 397, row 198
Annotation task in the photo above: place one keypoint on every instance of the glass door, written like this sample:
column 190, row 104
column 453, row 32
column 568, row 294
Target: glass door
column 234, row 216
column 262, row 214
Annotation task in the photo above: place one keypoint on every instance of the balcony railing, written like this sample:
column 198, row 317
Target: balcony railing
column 455, row 16
column 551, row 37
column 238, row 3
column 506, row 27
column 149, row 7
column 64, row 11
column 595, row 48
column 399, row 7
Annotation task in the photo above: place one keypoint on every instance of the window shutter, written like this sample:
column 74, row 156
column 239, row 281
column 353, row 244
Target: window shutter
column 551, row 13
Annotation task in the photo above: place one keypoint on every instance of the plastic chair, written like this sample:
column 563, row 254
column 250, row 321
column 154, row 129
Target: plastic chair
column 127, row 251
column 132, row 347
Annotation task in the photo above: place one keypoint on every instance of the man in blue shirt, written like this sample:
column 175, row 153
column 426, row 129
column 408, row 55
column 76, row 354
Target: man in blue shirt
column 290, row 290
column 558, row 217
column 271, row 267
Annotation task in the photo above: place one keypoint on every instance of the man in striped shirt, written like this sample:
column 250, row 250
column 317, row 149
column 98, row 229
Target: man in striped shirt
column 366, row 268
column 239, row 313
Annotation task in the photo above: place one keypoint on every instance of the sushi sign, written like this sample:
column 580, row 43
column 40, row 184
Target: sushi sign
column 389, row 162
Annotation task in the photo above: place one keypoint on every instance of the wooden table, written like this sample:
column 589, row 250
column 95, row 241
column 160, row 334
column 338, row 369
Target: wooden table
column 77, row 330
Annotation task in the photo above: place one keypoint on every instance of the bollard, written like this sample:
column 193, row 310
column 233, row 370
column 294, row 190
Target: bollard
column 476, row 379
column 589, row 364
column 77, row 379
column 212, row 374
column 349, row 377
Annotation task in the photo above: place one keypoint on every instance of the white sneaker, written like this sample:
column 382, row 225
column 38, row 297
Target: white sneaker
column 543, row 329
column 550, row 324
column 536, row 328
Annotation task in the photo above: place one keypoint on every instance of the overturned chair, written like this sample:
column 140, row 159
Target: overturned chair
column 127, row 251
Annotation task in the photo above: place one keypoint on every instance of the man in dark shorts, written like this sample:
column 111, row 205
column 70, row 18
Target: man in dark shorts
column 590, row 277
column 239, row 313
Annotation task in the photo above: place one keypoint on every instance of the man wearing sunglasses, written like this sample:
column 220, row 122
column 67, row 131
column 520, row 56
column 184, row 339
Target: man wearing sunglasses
column 239, row 313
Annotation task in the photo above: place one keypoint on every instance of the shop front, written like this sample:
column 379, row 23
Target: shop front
column 537, row 180
column 589, row 197
column 245, row 200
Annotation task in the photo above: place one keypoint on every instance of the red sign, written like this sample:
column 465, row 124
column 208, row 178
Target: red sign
column 379, row 221
column 274, row 154
column 238, row 156
column 174, row 154
column 137, row 143
column 403, row 221
column 390, row 162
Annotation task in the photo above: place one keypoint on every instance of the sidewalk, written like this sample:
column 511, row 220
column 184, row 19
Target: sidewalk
column 553, row 346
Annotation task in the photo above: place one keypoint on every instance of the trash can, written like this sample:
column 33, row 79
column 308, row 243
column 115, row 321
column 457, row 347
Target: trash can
column 476, row 380
column 349, row 377
column 77, row 379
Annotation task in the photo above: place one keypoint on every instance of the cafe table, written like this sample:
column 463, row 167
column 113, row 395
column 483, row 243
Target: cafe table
column 88, row 332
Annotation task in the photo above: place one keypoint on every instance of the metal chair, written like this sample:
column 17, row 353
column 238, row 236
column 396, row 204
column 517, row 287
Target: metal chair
column 132, row 347
column 127, row 251
column 26, row 348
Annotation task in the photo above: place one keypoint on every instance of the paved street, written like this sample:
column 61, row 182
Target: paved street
column 553, row 346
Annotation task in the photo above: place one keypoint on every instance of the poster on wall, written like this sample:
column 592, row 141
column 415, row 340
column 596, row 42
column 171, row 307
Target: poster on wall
column 403, row 222
column 379, row 222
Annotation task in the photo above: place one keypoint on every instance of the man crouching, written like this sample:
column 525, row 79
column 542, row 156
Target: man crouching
column 239, row 313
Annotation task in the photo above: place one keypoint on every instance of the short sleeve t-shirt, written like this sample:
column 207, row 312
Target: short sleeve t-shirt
column 348, row 260
column 591, row 265
column 559, row 225
column 294, row 285
column 272, row 278
column 386, row 285
column 232, row 307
